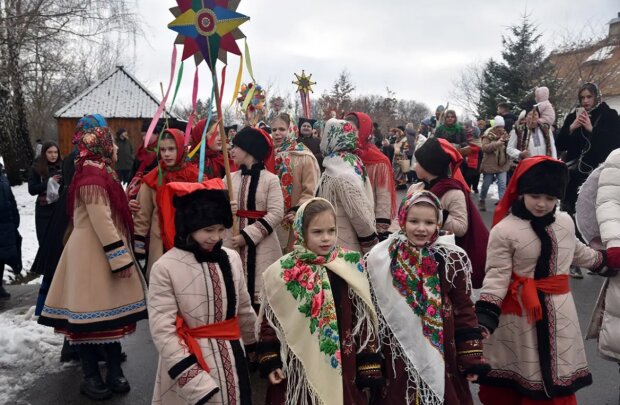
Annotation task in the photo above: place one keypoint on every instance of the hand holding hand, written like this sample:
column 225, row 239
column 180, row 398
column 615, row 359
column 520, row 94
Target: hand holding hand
column 238, row 241
column 125, row 273
column 276, row 376
column 134, row 207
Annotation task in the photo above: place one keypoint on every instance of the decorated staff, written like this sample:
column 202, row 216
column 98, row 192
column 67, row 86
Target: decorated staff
column 304, row 88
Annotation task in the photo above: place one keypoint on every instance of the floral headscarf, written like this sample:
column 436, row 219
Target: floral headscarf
column 338, row 143
column 423, row 196
column 95, row 180
column 85, row 123
column 415, row 272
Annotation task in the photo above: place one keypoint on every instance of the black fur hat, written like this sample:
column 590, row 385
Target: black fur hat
column 253, row 142
column 546, row 177
column 433, row 158
column 201, row 209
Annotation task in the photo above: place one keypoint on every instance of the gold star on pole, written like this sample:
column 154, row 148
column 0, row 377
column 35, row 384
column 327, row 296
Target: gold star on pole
column 303, row 82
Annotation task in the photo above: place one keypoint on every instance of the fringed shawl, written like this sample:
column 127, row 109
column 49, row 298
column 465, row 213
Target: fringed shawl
column 96, row 181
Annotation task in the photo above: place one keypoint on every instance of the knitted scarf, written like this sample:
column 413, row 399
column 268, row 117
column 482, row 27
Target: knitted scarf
column 406, row 286
column 299, row 305
column 96, row 181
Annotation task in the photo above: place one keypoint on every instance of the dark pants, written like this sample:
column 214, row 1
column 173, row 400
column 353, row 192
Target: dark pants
column 42, row 216
column 124, row 175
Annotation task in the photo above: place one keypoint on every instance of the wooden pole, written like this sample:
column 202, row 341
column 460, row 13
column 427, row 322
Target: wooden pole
column 218, row 105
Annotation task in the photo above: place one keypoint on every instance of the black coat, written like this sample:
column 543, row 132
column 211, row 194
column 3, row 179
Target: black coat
column 509, row 121
column 10, row 248
column 595, row 145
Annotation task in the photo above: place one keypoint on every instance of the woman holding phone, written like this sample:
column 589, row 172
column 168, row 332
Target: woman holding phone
column 589, row 135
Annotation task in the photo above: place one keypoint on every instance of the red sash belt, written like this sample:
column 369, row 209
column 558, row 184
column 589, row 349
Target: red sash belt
column 529, row 297
column 251, row 214
column 226, row 330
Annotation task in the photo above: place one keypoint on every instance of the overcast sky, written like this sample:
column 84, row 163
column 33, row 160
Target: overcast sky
column 417, row 48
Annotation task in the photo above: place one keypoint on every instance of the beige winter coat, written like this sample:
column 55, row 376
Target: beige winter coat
column 512, row 350
column 146, row 223
column 259, row 235
column 203, row 294
column 606, row 318
column 85, row 289
column 305, row 177
column 494, row 159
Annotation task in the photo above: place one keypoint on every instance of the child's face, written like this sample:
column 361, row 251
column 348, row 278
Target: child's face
column 320, row 234
column 422, row 173
column 421, row 224
column 168, row 152
column 539, row 204
column 241, row 157
column 208, row 237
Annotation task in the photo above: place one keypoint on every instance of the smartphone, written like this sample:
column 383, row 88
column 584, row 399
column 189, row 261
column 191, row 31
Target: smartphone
column 579, row 111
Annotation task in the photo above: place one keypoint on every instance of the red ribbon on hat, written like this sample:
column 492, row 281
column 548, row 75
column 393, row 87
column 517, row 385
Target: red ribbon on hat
column 456, row 159
column 167, row 210
column 512, row 193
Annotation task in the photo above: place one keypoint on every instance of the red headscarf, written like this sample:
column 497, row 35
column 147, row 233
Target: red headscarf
column 371, row 155
column 456, row 160
column 214, row 159
column 511, row 193
column 166, row 208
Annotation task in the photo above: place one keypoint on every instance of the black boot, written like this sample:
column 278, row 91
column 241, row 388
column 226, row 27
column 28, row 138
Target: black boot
column 92, row 385
column 115, row 379
column 69, row 352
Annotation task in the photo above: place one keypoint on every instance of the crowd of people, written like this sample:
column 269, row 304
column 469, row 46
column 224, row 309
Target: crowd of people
column 300, row 263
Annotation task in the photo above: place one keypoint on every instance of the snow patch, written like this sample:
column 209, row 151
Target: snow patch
column 27, row 228
column 29, row 350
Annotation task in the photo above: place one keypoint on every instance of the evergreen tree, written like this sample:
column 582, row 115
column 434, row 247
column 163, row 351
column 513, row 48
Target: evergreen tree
column 522, row 68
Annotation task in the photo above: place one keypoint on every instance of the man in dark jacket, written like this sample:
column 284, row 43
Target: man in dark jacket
column 10, row 240
column 503, row 109
column 124, row 165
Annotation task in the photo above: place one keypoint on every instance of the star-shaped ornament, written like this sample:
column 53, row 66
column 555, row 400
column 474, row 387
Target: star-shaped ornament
column 303, row 82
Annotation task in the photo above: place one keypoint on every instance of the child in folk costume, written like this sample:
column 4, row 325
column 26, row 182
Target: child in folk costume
column 214, row 158
column 421, row 283
column 438, row 166
column 379, row 169
column 199, row 308
column 298, row 171
column 258, row 195
column 97, row 296
column 346, row 185
column 317, row 324
column 536, row 350
column 172, row 167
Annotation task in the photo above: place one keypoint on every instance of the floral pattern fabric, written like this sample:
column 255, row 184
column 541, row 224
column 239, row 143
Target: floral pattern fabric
column 340, row 140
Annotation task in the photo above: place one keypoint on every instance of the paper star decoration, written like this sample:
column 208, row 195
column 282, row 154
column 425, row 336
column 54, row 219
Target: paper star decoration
column 303, row 82
column 208, row 29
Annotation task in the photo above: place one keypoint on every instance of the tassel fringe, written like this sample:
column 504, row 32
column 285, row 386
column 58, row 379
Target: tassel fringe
column 353, row 200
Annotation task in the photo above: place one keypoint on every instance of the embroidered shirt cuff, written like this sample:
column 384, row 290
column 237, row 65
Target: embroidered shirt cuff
column 369, row 372
column 118, row 256
column 182, row 366
column 268, row 358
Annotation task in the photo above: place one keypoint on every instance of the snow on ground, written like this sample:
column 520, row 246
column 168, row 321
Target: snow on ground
column 25, row 204
column 29, row 350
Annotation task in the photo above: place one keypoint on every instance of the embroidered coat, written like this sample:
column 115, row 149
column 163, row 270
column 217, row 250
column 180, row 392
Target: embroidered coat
column 556, row 367
column 262, row 244
column 203, row 293
column 301, row 181
column 85, row 294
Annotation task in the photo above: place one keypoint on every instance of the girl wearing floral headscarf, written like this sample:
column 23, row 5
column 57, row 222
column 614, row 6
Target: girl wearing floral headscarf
column 298, row 171
column 96, row 296
column 346, row 185
column 427, row 324
column 317, row 324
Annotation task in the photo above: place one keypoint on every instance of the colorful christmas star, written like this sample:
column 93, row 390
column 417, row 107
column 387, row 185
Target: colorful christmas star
column 303, row 82
column 208, row 29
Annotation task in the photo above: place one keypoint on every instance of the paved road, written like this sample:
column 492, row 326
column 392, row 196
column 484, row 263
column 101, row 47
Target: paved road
column 140, row 368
